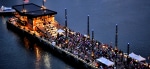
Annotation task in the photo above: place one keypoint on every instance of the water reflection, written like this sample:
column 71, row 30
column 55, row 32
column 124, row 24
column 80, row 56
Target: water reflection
column 26, row 43
column 38, row 56
column 42, row 58
column 47, row 61
column 3, row 19
column 36, row 50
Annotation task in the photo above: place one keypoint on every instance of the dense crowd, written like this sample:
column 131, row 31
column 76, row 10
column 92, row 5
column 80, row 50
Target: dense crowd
column 89, row 50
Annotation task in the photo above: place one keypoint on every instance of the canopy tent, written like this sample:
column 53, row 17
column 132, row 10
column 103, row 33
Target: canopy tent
column 105, row 61
column 85, row 35
column 136, row 57
column 60, row 31
column 53, row 43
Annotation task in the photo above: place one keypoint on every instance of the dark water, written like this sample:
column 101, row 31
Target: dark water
column 132, row 17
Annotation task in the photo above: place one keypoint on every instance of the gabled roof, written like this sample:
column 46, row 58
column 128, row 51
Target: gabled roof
column 105, row 61
column 32, row 10
column 136, row 57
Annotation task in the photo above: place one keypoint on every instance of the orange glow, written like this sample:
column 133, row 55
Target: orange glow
column 38, row 56
column 112, row 50
column 24, row 10
column 103, row 46
column 66, row 41
column 37, row 52
column 26, row 42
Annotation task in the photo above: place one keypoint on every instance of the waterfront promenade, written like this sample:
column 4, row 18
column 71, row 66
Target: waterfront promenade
column 81, row 47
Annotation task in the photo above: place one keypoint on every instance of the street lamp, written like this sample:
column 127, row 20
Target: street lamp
column 24, row 1
column 43, row 7
column 92, row 34
column 92, row 45
column 88, row 34
column 116, row 37
column 128, row 50
column 66, row 23
column 92, row 38
column 116, row 44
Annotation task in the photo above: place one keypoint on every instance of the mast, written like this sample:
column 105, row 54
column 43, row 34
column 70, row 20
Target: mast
column 92, row 39
column 43, row 5
column 88, row 34
column 66, row 22
column 116, row 37
column 23, row 6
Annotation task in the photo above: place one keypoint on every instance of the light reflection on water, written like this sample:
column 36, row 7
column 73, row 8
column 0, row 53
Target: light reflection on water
column 132, row 16
column 38, row 57
column 43, row 58
column 26, row 43
column 47, row 61
column 4, row 20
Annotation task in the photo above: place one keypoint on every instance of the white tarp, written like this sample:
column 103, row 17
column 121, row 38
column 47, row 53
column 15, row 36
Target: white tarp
column 60, row 31
column 105, row 61
column 136, row 57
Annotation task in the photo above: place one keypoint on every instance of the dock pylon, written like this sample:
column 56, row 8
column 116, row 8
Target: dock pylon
column 116, row 37
column 88, row 20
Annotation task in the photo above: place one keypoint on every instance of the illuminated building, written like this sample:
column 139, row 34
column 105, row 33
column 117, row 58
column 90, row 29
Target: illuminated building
column 34, row 15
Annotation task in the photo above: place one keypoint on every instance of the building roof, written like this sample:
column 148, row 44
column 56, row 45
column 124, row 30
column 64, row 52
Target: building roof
column 32, row 10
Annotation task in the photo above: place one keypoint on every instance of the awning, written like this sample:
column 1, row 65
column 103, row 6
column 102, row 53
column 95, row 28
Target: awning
column 60, row 31
column 136, row 57
column 105, row 61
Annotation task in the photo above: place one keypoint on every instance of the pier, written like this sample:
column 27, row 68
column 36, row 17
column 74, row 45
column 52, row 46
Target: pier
column 40, row 24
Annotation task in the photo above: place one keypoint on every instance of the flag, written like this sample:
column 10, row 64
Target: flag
column 25, row 1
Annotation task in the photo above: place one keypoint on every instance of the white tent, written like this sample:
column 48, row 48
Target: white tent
column 136, row 57
column 105, row 61
column 60, row 31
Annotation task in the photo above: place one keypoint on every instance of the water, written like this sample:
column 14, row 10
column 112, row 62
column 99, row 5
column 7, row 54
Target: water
column 132, row 17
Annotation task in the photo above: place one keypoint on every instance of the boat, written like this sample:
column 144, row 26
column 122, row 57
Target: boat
column 6, row 10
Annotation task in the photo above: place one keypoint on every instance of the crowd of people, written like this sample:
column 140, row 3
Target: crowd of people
column 89, row 50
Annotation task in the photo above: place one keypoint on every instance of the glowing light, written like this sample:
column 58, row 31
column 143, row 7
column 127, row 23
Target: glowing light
column 121, row 54
column 24, row 10
column 125, row 56
column 136, row 60
column 66, row 41
column 38, row 56
column 103, row 46
column 26, row 42
column 47, row 61
column 43, row 7
column 97, row 43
